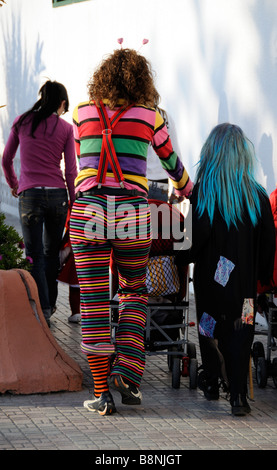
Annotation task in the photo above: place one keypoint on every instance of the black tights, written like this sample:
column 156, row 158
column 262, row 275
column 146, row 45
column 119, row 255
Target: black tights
column 228, row 356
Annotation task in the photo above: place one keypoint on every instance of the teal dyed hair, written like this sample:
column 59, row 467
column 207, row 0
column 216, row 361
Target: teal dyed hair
column 225, row 176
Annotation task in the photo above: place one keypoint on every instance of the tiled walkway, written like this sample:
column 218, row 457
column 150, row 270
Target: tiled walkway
column 168, row 419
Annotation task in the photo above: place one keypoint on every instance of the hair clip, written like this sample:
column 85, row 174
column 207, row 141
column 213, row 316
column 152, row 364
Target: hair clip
column 120, row 41
column 144, row 41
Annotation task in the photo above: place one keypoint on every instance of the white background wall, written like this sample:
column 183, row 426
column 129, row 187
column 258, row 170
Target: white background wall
column 215, row 61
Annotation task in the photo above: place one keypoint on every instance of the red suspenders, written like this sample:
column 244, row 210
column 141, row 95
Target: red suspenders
column 107, row 150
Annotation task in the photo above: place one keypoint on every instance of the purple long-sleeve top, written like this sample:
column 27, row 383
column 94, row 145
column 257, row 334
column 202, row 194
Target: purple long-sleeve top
column 41, row 156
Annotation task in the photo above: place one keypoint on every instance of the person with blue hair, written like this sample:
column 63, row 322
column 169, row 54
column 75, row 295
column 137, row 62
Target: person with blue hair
column 233, row 247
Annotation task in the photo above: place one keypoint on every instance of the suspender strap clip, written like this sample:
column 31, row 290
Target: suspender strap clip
column 107, row 131
column 108, row 153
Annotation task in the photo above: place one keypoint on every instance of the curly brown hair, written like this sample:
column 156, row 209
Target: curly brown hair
column 124, row 74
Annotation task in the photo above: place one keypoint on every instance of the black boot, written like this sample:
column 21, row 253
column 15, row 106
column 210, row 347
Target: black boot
column 209, row 386
column 240, row 406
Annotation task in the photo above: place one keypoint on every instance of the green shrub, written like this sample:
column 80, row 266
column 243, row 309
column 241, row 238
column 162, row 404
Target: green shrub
column 12, row 248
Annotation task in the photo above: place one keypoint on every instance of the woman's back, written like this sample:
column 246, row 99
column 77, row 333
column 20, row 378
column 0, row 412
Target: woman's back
column 230, row 261
column 41, row 154
column 136, row 129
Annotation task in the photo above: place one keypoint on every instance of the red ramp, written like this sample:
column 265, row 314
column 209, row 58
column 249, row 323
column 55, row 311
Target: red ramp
column 31, row 360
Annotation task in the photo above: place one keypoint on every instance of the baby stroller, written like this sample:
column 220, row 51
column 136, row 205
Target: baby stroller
column 167, row 325
column 265, row 367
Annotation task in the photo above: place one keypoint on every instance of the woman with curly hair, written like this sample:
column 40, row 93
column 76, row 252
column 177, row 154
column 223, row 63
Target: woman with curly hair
column 112, row 133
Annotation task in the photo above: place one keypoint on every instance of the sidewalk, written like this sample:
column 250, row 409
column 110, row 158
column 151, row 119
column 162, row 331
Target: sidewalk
column 167, row 420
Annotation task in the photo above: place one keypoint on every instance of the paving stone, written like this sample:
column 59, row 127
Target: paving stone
column 168, row 419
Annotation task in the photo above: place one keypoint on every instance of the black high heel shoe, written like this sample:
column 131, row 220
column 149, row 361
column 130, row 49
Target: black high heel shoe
column 240, row 406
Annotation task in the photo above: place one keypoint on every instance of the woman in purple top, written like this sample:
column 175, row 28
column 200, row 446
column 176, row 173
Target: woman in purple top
column 44, row 139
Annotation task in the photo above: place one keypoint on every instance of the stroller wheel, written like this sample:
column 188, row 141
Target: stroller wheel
column 261, row 372
column 176, row 373
column 257, row 351
column 274, row 371
column 169, row 361
column 191, row 350
column 193, row 373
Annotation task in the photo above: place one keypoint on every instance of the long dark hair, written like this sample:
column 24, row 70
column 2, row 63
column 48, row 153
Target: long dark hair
column 51, row 96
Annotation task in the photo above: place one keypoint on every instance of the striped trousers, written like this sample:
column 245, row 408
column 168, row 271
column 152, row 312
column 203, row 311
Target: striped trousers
column 98, row 225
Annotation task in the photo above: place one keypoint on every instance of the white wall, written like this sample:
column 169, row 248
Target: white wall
column 215, row 61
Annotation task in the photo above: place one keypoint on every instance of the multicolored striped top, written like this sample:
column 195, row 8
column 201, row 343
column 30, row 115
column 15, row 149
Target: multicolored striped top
column 138, row 127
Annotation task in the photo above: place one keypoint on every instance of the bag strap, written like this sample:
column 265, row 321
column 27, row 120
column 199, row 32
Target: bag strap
column 108, row 153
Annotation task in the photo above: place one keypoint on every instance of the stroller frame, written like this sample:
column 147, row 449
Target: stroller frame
column 180, row 352
column 265, row 367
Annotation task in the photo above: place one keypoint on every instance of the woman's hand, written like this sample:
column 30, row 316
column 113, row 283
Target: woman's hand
column 14, row 191
column 174, row 199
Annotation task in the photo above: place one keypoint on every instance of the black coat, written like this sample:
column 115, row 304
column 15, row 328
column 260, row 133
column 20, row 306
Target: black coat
column 246, row 250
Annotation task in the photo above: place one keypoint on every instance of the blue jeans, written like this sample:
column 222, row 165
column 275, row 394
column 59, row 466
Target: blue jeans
column 43, row 214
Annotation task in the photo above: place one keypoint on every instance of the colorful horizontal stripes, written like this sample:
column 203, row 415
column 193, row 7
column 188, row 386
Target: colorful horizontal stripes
column 99, row 367
column 92, row 259
column 136, row 129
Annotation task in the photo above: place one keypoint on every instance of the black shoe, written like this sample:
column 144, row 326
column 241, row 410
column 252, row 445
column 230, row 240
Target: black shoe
column 210, row 387
column 103, row 404
column 129, row 392
column 47, row 314
column 240, row 406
